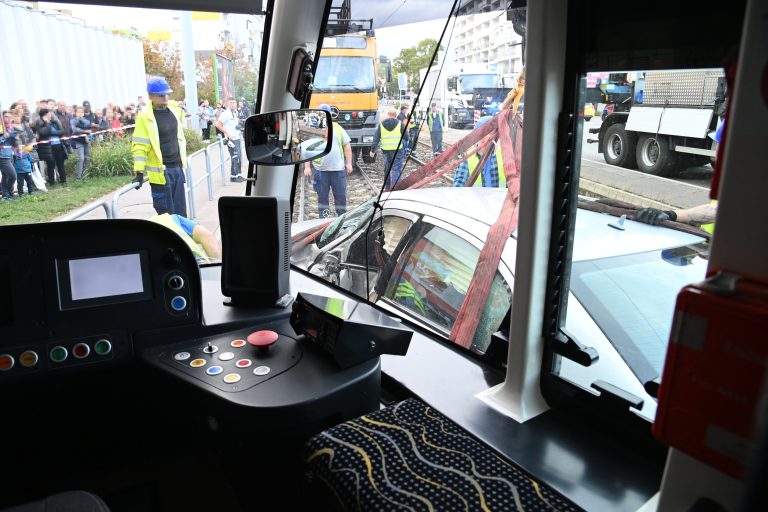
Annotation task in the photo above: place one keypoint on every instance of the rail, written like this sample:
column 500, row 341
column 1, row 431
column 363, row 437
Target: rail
column 113, row 210
column 87, row 209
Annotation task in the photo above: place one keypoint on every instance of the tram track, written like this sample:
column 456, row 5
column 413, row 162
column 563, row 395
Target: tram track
column 364, row 181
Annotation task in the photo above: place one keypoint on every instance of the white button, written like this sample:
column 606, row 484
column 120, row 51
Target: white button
column 226, row 356
column 261, row 370
column 182, row 356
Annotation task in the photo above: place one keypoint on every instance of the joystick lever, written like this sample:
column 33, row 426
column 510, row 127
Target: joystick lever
column 262, row 340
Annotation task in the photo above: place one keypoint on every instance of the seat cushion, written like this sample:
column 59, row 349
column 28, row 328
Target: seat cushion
column 408, row 456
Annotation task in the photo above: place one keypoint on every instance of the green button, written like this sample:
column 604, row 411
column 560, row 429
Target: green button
column 103, row 347
column 58, row 354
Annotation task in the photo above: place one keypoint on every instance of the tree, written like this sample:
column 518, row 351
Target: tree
column 164, row 59
column 205, row 81
column 411, row 60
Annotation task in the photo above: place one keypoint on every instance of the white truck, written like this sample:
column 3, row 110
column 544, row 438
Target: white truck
column 453, row 90
column 666, row 128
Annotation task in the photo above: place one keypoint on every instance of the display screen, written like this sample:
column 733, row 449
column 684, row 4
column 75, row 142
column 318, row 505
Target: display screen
column 94, row 281
column 91, row 278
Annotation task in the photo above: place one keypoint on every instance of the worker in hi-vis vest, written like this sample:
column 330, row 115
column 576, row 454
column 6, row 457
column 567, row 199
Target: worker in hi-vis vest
column 493, row 170
column 436, row 124
column 159, row 149
column 329, row 172
column 390, row 132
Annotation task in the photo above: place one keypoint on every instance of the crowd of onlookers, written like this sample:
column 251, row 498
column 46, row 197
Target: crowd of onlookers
column 208, row 115
column 41, row 139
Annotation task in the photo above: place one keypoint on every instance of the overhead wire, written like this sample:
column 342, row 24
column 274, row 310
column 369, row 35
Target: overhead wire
column 377, row 203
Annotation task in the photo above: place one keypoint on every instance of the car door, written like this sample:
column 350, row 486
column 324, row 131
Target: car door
column 430, row 279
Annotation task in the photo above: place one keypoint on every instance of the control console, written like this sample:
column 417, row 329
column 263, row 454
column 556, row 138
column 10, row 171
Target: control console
column 66, row 306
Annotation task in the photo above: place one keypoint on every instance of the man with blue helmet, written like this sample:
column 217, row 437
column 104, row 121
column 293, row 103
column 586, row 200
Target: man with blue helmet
column 159, row 149
column 329, row 173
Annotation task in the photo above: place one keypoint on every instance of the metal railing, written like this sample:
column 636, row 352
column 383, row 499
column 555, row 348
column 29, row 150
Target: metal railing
column 113, row 211
column 87, row 209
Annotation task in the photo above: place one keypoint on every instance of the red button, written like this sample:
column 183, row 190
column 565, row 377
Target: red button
column 6, row 362
column 243, row 363
column 81, row 350
column 262, row 338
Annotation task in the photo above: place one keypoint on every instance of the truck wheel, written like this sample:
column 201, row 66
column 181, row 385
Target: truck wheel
column 619, row 146
column 654, row 156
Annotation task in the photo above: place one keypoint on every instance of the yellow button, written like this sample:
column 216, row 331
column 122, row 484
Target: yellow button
column 231, row 378
column 196, row 363
column 28, row 358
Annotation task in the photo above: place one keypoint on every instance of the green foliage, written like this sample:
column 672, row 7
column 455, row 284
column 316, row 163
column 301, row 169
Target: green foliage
column 108, row 158
column 410, row 61
column 194, row 140
column 164, row 59
column 46, row 206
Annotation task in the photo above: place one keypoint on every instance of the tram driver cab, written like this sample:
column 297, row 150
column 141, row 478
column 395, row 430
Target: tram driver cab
column 430, row 348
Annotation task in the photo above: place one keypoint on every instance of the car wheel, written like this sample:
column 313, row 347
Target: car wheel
column 619, row 146
column 654, row 156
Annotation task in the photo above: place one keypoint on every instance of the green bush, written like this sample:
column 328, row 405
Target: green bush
column 108, row 158
column 194, row 140
column 113, row 157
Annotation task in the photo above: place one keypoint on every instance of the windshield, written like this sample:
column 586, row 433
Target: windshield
column 340, row 74
column 471, row 82
column 77, row 146
column 631, row 299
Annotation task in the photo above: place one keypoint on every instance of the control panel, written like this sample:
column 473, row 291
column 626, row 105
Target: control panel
column 67, row 305
column 235, row 361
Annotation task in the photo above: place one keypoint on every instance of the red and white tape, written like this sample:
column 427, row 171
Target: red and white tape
column 21, row 146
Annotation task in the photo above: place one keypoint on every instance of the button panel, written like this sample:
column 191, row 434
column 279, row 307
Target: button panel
column 229, row 363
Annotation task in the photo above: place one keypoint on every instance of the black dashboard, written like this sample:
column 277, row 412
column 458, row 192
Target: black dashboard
column 136, row 301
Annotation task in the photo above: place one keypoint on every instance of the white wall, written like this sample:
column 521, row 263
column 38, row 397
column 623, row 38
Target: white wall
column 53, row 57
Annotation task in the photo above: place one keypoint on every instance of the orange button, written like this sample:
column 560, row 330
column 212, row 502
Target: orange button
column 28, row 358
column 237, row 343
column 6, row 362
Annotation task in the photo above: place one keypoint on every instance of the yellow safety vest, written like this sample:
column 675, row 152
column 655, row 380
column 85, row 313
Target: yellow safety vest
column 406, row 290
column 442, row 120
column 166, row 220
column 145, row 145
column 474, row 160
column 389, row 138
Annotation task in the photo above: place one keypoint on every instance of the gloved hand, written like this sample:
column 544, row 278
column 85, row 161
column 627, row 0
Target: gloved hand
column 139, row 178
column 655, row 216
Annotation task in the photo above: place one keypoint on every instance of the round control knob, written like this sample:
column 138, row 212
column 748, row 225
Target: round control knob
column 176, row 282
column 262, row 340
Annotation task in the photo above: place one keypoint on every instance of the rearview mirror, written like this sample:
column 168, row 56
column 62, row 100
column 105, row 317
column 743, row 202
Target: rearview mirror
column 287, row 137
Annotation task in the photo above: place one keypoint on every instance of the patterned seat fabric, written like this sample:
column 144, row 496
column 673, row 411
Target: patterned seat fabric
column 410, row 457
